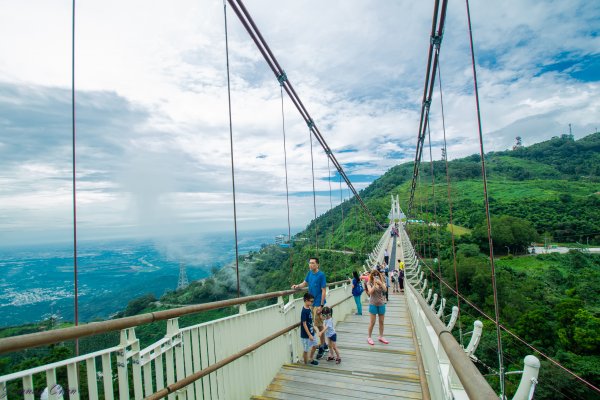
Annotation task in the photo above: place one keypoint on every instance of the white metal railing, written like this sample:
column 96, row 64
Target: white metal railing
column 125, row 371
column 450, row 373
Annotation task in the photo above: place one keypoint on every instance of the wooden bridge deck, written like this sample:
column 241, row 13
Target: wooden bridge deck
column 366, row 372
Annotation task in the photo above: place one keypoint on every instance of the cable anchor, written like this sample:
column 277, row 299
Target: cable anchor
column 427, row 104
column 281, row 78
column 310, row 124
column 436, row 41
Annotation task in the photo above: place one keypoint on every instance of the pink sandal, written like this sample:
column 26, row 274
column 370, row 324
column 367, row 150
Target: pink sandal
column 382, row 340
column 370, row 341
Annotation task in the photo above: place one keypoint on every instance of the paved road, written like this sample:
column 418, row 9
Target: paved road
column 562, row 250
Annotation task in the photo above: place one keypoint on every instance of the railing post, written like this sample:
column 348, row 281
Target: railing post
column 440, row 311
column 432, row 305
column 477, row 330
column 453, row 319
column 122, row 367
column 528, row 382
column 136, row 368
column 429, row 293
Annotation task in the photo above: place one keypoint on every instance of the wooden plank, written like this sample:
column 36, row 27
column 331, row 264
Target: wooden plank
column 347, row 378
column 356, row 382
column 363, row 389
column 380, row 371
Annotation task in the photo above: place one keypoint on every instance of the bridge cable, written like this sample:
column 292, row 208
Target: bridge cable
column 487, row 205
column 287, row 192
column 237, row 266
column 448, row 185
column 256, row 36
column 312, row 168
column 432, row 60
column 342, row 208
column 421, row 229
column 330, row 201
column 73, row 137
column 505, row 329
column 435, row 219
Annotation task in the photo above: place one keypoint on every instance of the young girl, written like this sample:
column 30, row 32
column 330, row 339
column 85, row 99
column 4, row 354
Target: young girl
column 334, row 353
column 376, row 288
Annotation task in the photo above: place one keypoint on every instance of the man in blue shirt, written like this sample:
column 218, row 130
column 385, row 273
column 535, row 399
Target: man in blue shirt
column 316, row 282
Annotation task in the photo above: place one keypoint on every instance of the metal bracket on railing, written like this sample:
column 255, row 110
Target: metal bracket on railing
column 289, row 305
column 453, row 319
column 477, row 330
column 529, row 380
column 432, row 305
column 424, row 287
column 172, row 327
column 243, row 310
column 429, row 293
column 440, row 311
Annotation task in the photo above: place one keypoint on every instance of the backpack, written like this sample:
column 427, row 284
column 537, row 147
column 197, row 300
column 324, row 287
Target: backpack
column 358, row 288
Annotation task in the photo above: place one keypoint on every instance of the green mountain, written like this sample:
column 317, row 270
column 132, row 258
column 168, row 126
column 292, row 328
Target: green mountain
column 553, row 184
column 550, row 190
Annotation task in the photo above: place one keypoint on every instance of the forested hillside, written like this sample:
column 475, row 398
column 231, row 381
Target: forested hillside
column 549, row 191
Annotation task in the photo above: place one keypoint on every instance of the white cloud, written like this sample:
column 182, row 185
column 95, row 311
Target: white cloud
column 153, row 135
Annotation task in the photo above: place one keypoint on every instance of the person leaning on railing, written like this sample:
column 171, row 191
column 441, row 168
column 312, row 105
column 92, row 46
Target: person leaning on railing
column 316, row 282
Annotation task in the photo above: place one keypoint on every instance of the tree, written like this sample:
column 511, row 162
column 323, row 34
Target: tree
column 507, row 233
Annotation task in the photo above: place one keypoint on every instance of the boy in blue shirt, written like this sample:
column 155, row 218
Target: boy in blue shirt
column 307, row 331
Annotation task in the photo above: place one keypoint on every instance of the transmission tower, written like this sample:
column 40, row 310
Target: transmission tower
column 183, row 280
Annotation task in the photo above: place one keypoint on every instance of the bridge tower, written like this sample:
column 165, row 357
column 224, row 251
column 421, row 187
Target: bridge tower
column 183, row 280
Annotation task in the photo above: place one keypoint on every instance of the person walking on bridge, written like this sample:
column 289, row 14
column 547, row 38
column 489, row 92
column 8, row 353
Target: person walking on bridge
column 376, row 289
column 386, row 257
column 316, row 282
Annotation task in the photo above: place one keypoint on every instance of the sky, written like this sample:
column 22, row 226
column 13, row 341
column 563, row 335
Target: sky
column 152, row 126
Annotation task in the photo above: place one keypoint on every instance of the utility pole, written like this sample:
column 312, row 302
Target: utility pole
column 183, row 280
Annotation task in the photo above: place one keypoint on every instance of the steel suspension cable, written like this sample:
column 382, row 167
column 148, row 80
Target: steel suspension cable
column 487, row 205
column 422, row 216
column 342, row 208
column 237, row 266
column 448, row 184
column 428, row 214
column 73, row 159
column 435, row 220
column 312, row 168
column 435, row 40
column 330, row 201
column 287, row 192
column 256, row 36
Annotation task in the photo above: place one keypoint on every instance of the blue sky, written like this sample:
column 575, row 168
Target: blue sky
column 153, row 135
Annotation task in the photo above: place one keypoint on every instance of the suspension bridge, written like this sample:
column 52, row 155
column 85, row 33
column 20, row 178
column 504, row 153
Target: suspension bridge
column 214, row 360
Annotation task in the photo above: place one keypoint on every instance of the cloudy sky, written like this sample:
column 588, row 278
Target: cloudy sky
column 152, row 122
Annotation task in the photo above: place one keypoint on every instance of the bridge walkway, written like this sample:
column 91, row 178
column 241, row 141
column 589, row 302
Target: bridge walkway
column 381, row 371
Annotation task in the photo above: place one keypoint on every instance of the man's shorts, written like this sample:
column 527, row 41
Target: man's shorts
column 377, row 309
column 333, row 337
column 307, row 344
column 317, row 319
